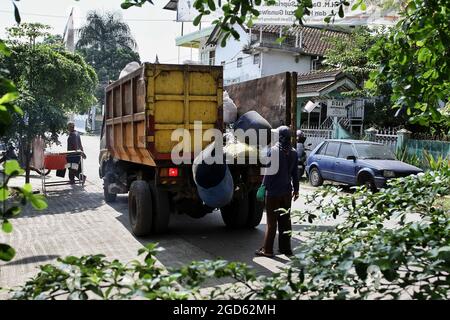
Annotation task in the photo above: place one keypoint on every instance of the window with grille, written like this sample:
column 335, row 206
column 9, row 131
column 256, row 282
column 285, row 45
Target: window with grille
column 239, row 62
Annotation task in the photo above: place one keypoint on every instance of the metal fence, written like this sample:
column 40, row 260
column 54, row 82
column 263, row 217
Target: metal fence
column 387, row 136
column 316, row 136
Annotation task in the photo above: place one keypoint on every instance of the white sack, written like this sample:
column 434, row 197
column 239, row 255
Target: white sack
column 229, row 109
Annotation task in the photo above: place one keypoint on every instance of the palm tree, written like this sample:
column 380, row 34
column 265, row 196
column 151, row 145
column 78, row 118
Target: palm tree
column 104, row 32
column 106, row 43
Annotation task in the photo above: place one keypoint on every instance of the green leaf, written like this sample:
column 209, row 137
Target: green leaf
column 7, row 226
column 12, row 167
column 126, row 5
column 341, row 11
column 363, row 6
column 4, row 194
column 38, row 202
column 9, row 97
column 4, row 49
column 212, row 5
column 6, row 252
column 423, row 55
column 16, row 13
column 197, row 20
column 27, row 188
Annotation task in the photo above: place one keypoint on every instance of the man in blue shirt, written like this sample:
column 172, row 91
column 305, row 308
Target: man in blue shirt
column 281, row 188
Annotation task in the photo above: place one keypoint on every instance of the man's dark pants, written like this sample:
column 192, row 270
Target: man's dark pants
column 273, row 204
column 72, row 172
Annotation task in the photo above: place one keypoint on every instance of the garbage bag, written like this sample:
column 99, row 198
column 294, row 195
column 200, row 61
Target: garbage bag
column 239, row 149
column 229, row 109
column 252, row 120
column 213, row 180
column 129, row 68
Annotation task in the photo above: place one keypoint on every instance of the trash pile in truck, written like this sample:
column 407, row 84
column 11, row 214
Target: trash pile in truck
column 214, row 181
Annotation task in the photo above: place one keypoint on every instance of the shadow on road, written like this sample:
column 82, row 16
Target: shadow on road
column 190, row 239
column 67, row 200
column 32, row 259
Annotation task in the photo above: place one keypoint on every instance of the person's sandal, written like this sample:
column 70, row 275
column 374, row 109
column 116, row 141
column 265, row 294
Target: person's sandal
column 261, row 253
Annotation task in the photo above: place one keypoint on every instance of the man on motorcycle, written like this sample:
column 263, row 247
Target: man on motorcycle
column 301, row 152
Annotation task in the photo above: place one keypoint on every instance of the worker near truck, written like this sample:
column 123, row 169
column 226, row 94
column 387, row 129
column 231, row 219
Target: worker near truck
column 281, row 188
column 74, row 144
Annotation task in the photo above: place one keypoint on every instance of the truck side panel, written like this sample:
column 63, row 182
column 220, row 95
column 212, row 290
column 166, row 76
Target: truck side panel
column 125, row 119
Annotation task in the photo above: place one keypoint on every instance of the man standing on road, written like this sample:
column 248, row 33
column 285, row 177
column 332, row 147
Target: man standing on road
column 74, row 144
column 279, row 195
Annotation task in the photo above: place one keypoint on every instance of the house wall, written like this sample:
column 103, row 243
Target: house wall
column 278, row 61
column 230, row 54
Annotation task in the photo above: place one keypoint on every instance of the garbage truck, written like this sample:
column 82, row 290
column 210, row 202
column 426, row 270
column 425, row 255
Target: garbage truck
column 142, row 109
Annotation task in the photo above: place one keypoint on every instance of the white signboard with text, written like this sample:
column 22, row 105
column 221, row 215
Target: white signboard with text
column 337, row 108
column 283, row 13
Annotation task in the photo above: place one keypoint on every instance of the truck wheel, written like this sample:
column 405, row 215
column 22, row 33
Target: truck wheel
column 109, row 197
column 161, row 209
column 140, row 208
column 235, row 214
column 255, row 210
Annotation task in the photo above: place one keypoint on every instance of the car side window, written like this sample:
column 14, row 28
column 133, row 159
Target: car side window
column 332, row 149
column 346, row 150
column 322, row 149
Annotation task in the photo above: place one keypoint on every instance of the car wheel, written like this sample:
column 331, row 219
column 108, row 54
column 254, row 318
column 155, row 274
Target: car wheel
column 315, row 178
column 368, row 182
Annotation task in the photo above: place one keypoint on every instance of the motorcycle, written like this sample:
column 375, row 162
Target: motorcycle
column 301, row 152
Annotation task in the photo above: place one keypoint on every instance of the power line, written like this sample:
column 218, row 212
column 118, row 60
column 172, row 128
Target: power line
column 65, row 17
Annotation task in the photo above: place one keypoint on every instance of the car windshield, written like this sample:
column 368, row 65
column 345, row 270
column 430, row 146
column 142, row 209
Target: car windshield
column 374, row 151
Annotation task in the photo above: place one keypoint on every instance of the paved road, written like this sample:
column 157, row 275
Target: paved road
column 78, row 221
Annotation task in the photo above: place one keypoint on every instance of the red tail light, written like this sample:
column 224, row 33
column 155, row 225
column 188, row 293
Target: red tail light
column 173, row 172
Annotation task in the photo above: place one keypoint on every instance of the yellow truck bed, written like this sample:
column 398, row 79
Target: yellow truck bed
column 145, row 107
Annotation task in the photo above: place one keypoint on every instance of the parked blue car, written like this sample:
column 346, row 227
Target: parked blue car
column 355, row 162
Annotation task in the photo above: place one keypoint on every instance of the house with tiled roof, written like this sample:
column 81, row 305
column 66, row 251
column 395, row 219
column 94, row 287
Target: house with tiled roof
column 259, row 52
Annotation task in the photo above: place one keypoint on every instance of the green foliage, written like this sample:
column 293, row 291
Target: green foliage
column 412, row 159
column 390, row 244
column 11, row 199
column 351, row 55
column 414, row 61
column 94, row 277
column 51, row 82
column 441, row 163
column 107, row 45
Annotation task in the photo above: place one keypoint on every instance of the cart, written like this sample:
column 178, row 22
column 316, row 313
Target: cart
column 62, row 161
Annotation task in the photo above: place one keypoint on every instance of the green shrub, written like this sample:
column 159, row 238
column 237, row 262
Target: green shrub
column 391, row 244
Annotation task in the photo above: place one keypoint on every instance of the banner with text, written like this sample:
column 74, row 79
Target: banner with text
column 378, row 12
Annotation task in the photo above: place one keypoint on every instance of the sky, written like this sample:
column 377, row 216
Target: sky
column 154, row 28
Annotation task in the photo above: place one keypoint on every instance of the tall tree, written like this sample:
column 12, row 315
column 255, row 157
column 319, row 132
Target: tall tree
column 107, row 45
column 51, row 82
column 415, row 60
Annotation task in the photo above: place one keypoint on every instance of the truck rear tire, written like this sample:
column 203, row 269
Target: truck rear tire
column 140, row 209
column 255, row 210
column 109, row 197
column 235, row 214
column 161, row 209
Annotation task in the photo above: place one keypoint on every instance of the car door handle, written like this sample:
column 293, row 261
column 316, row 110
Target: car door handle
column 337, row 162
